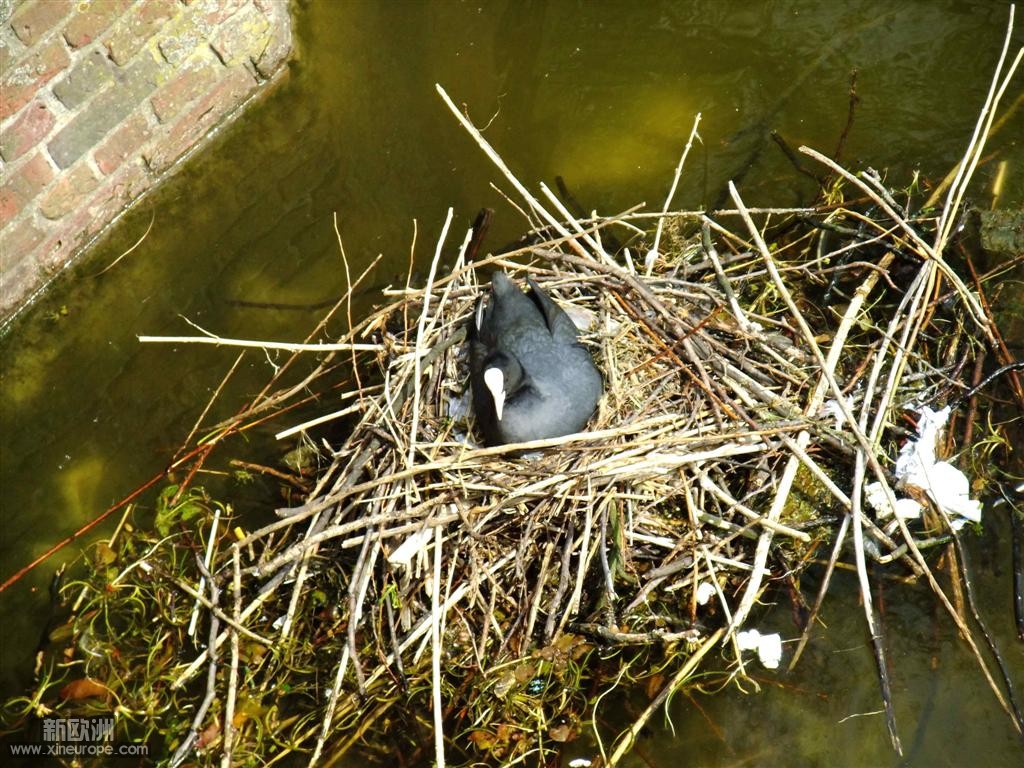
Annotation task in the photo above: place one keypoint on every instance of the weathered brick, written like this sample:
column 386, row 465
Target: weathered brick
column 70, row 191
column 80, row 227
column 191, row 31
column 200, row 118
column 280, row 43
column 107, row 110
column 31, row 126
column 215, row 12
column 86, row 79
column 21, row 276
column 21, row 238
column 90, row 21
column 189, row 85
column 135, row 28
column 11, row 50
column 242, row 37
column 22, row 82
column 125, row 140
column 22, row 186
column 32, row 20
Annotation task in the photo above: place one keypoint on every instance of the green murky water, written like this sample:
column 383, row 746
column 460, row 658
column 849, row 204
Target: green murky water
column 603, row 94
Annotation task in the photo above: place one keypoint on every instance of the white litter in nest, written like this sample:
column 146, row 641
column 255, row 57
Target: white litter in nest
column 768, row 647
column 413, row 543
column 705, row 591
column 918, row 468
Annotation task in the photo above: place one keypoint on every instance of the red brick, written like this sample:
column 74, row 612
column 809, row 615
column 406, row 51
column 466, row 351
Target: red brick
column 33, row 20
column 87, row 77
column 23, row 185
column 125, row 140
column 20, row 239
column 106, row 111
column 204, row 115
column 242, row 37
column 280, row 43
column 186, row 87
column 70, row 191
column 137, row 26
column 92, row 20
column 32, row 125
column 21, row 277
column 216, row 12
column 89, row 219
column 11, row 50
column 22, row 82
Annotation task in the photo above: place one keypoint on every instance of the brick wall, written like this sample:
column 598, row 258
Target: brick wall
column 99, row 98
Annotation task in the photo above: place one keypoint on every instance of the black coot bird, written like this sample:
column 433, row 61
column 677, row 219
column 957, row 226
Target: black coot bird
column 531, row 377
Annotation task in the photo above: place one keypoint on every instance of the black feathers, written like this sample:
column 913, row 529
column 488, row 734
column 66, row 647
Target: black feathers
column 531, row 377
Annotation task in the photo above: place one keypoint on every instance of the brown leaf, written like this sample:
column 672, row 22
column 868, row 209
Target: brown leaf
column 83, row 688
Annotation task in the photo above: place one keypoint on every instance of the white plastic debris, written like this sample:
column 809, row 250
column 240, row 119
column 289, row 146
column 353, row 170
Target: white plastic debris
column 705, row 591
column 768, row 647
column 413, row 543
column 946, row 485
column 649, row 259
column 580, row 762
column 874, row 495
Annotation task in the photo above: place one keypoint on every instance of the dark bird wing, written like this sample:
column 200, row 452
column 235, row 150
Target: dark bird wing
column 560, row 325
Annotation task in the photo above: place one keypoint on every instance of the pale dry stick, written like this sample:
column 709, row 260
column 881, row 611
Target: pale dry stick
column 710, row 560
column 629, row 736
column 269, row 401
column 185, row 748
column 196, row 663
column 582, row 563
column 416, row 383
column 660, row 463
column 332, row 703
column 496, row 159
column 839, row 495
column 212, row 400
column 859, row 297
column 977, row 143
column 210, row 542
column 355, row 617
column 920, row 289
column 204, row 601
column 422, row 628
column 746, row 325
column 867, row 451
column 229, row 706
column 306, row 425
column 138, row 242
column 348, row 301
column 128, row 509
column 538, row 594
column 943, row 185
column 300, row 580
column 587, row 238
column 219, row 341
column 722, row 495
column 298, row 549
column 595, row 244
column 435, row 656
column 975, row 310
column 814, row 403
column 653, row 254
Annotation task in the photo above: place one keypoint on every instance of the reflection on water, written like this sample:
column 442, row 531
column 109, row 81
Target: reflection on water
column 601, row 94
